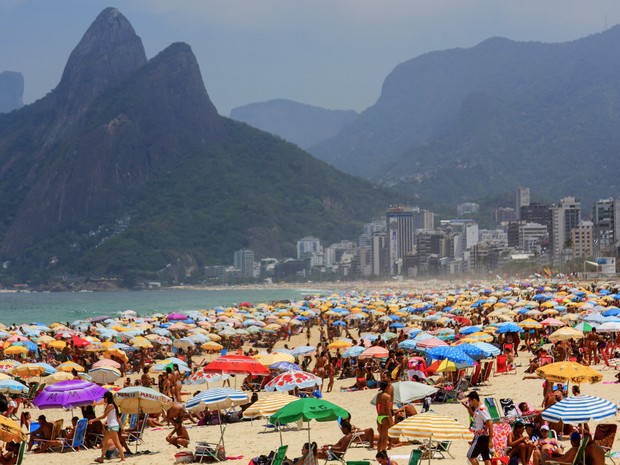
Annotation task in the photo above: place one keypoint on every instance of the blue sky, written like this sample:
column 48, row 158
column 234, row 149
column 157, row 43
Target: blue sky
column 330, row 53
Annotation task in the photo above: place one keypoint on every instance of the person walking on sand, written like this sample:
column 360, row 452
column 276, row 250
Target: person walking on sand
column 482, row 428
column 113, row 427
column 384, row 416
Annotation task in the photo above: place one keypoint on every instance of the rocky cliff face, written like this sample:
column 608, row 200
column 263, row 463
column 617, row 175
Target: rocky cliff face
column 105, row 139
column 11, row 91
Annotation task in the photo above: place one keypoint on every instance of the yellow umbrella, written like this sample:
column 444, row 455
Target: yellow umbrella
column 339, row 344
column 118, row 353
column 212, row 346
column 270, row 359
column 446, row 365
column 69, row 367
column 57, row 344
column 561, row 372
column 45, row 339
column 15, row 350
column 10, row 430
column 530, row 324
column 5, row 376
column 107, row 344
column 565, row 333
column 27, row 370
column 480, row 336
column 57, row 377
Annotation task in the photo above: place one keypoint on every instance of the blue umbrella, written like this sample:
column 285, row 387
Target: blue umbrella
column 217, row 399
column 10, row 386
column 473, row 351
column 397, row 325
column 124, row 347
column 285, row 366
column 408, row 344
column 354, row 351
column 612, row 312
column 452, row 353
column 339, row 323
column 470, row 329
column 487, row 348
column 580, row 409
column 509, row 328
column 303, row 350
column 49, row 369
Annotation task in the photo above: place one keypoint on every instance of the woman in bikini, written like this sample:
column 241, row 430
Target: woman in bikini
column 384, row 416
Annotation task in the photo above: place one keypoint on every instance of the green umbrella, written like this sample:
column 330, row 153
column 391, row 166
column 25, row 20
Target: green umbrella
column 306, row 409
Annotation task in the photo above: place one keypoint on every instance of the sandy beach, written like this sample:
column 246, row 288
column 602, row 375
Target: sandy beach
column 246, row 440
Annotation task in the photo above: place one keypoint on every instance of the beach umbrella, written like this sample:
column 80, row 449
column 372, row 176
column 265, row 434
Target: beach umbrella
column 270, row 359
column 27, row 370
column 564, row 334
column 69, row 394
column 10, row 430
column 561, row 372
column 451, row 353
column 408, row 391
column 57, row 377
column 118, row 353
column 374, row 352
column 217, row 399
column 15, row 350
column 509, row 328
column 584, row 327
column 473, row 351
column 431, row 426
column 306, row 409
column 580, row 409
column 340, row 344
column 200, row 377
column 303, row 350
column 552, row 322
column 293, row 379
column 354, row 351
column 489, row 349
column 236, row 364
column 106, row 362
column 211, row 346
column 285, row 366
column 448, row 365
column 530, row 324
column 466, row 330
column 11, row 386
column 69, row 367
column 268, row 405
column 140, row 399
column 479, row 337
column 104, row 375
column 606, row 327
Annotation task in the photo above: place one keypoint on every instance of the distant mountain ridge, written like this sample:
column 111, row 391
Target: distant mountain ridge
column 11, row 91
column 302, row 124
column 495, row 113
column 126, row 167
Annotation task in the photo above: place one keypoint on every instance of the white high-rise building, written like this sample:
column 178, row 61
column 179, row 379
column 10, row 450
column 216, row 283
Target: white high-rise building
column 564, row 217
column 244, row 262
column 522, row 199
column 401, row 235
column 307, row 247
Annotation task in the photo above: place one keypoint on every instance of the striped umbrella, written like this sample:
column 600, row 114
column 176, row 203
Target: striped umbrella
column 489, row 349
column 10, row 386
column 291, row 379
column 268, row 406
column 217, row 399
column 580, row 409
column 429, row 426
column 104, row 375
column 200, row 377
column 374, row 352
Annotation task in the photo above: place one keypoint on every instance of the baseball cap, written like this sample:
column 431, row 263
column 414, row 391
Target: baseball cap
column 575, row 436
column 544, row 427
column 519, row 423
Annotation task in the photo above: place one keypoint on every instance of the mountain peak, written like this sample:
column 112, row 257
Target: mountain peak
column 109, row 52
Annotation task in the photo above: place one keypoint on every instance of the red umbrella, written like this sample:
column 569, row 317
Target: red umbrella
column 79, row 342
column 236, row 364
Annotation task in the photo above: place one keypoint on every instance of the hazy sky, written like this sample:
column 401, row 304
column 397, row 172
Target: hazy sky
column 330, row 53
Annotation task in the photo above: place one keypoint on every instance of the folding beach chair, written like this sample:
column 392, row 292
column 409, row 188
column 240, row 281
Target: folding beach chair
column 280, row 455
column 491, row 404
column 610, row 363
column 78, row 437
column 580, row 457
column 438, row 449
column 55, row 436
column 501, row 367
column 604, row 436
column 486, row 373
column 136, row 436
column 500, row 438
column 213, row 452
column 414, row 458
column 338, row 456
column 21, row 452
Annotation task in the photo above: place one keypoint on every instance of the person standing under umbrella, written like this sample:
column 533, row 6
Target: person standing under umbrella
column 113, row 427
column 483, row 431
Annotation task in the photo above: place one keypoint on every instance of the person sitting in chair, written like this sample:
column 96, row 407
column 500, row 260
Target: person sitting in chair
column 341, row 446
column 44, row 431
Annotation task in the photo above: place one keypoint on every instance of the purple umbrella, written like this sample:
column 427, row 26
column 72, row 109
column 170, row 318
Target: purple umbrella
column 69, row 394
column 177, row 316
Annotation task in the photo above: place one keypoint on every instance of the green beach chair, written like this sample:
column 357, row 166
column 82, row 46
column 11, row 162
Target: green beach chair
column 491, row 404
column 280, row 455
column 414, row 458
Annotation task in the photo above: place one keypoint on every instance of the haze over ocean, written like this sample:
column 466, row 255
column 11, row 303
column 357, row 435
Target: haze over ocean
column 48, row 307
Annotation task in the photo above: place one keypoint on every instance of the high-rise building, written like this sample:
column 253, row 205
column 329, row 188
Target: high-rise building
column 244, row 262
column 423, row 219
column 401, row 235
column 565, row 217
column 522, row 199
column 380, row 260
column 606, row 226
column 581, row 239
column 531, row 236
column 536, row 213
column 307, row 247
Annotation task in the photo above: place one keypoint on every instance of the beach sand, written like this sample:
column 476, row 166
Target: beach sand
column 247, row 439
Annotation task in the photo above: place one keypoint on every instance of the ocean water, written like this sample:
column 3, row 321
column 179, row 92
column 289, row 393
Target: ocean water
column 48, row 307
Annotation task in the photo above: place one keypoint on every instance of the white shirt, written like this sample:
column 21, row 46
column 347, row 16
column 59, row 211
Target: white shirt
column 481, row 416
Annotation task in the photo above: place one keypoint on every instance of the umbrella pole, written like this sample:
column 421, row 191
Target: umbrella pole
column 430, row 454
column 309, row 442
column 280, row 431
column 219, row 416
